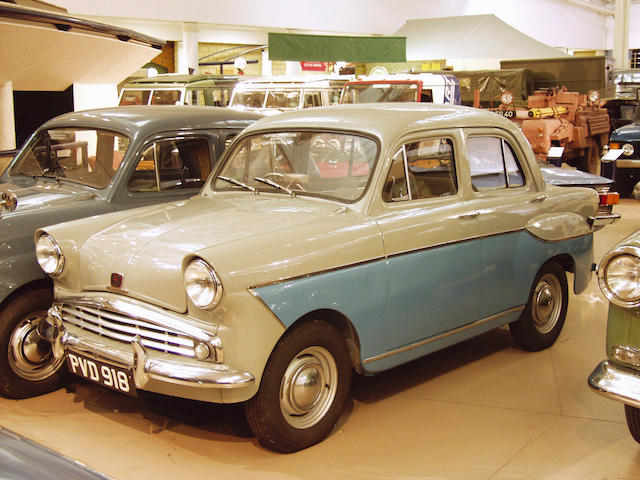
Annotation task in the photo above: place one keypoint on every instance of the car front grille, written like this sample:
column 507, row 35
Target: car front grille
column 124, row 329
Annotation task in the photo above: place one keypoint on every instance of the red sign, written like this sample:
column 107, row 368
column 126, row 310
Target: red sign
column 314, row 66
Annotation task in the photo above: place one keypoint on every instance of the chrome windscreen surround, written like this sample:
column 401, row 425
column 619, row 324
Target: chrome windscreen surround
column 601, row 272
column 122, row 321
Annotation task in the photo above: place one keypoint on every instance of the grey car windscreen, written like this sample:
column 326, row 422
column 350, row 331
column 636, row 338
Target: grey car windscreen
column 86, row 156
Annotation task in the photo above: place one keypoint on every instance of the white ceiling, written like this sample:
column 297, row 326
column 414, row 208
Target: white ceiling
column 572, row 24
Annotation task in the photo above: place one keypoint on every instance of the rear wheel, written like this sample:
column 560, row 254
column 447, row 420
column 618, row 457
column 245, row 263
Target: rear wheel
column 303, row 388
column 27, row 365
column 543, row 317
column 633, row 421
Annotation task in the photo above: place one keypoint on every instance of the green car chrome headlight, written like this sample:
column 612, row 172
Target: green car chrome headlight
column 202, row 284
column 49, row 255
column 619, row 276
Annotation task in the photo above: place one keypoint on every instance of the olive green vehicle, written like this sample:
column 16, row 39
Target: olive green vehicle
column 618, row 377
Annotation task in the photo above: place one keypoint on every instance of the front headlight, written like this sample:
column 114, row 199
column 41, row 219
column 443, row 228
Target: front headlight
column 627, row 149
column 202, row 284
column 619, row 276
column 49, row 255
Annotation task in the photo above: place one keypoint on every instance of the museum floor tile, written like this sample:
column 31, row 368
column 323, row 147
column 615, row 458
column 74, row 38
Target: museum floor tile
column 481, row 410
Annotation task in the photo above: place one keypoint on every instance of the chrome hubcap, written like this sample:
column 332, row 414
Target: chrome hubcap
column 30, row 356
column 308, row 387
column 547, row 303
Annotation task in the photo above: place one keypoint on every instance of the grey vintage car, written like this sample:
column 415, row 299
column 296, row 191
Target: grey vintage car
column 83, row 164
column 352, row 237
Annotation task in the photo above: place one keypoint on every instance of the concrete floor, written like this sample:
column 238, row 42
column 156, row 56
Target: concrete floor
column 483, row 409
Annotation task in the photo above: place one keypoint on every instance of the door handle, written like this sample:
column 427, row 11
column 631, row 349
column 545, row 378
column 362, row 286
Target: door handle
column 467, row 216
column 541, row 198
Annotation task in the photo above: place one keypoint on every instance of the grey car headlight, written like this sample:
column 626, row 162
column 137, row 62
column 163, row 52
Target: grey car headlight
column 619, row 276
column 49, row 255
column 202, row 284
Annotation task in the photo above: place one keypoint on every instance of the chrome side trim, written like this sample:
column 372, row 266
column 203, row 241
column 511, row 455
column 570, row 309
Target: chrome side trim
column 252, row 288
column 427, row 341
column 617, row 383
column 255, row 295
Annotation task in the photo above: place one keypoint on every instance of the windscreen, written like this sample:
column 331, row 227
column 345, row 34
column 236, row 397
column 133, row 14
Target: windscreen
column 379, row 92
column 86, row 156
column 325, row 164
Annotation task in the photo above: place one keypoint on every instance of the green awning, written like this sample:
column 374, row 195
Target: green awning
column 324, row 48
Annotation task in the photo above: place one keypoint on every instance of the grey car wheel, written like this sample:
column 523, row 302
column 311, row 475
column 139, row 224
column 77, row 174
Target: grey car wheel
column 27, row 365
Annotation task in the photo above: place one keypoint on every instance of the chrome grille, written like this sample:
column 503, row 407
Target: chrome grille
column 123, row 329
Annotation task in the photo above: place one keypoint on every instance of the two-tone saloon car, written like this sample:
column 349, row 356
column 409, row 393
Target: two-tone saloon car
column 618, row 377
column 78, row 165
column 353, row 237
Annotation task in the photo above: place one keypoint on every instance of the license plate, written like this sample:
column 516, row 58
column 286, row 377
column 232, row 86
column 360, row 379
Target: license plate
column 109, row 376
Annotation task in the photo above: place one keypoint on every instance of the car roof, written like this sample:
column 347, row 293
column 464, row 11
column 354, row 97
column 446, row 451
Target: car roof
column 384, row 120
column 149, row 119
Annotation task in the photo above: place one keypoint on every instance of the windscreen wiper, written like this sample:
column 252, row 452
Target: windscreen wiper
column 275, row 185
column 238, row 183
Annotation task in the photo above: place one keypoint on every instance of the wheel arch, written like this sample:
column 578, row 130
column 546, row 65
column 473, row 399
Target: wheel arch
column 22, row 289
column 343, row 325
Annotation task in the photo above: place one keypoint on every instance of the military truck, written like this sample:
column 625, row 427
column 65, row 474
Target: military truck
column 562, row 126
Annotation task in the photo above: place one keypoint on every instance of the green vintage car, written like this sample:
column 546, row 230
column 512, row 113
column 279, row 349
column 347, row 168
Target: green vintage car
column 350, row 237
column 618, row 377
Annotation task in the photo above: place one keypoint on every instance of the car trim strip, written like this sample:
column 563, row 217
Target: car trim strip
column 427, row 341
column 252, row 289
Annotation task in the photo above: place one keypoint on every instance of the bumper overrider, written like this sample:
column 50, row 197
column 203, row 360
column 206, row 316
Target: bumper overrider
column 616, row 382
column 150, row 342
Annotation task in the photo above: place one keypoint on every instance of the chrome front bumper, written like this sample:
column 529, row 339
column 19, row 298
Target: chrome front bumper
column 616, row 382
column 172, row 369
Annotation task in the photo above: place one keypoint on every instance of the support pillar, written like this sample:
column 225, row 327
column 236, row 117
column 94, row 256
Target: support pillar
column 188, row 53
column 621, row 34
column 293, row 68
column 7, row 117
column 267, row 66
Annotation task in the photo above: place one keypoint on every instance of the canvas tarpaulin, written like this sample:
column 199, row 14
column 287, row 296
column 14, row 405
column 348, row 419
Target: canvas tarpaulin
column 325, row 48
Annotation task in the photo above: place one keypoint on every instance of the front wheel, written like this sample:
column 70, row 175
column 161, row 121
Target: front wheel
column 27, row 365
column 633, row 421
column 543, row 317
column 303, row 388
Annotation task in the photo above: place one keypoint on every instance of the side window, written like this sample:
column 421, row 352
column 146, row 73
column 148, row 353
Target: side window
column 493, row 164
column 422, row 169
column 171, row 165
column 312, row 99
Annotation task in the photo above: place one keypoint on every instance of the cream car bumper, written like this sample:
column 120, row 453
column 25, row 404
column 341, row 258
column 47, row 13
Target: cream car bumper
column 144, row 363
